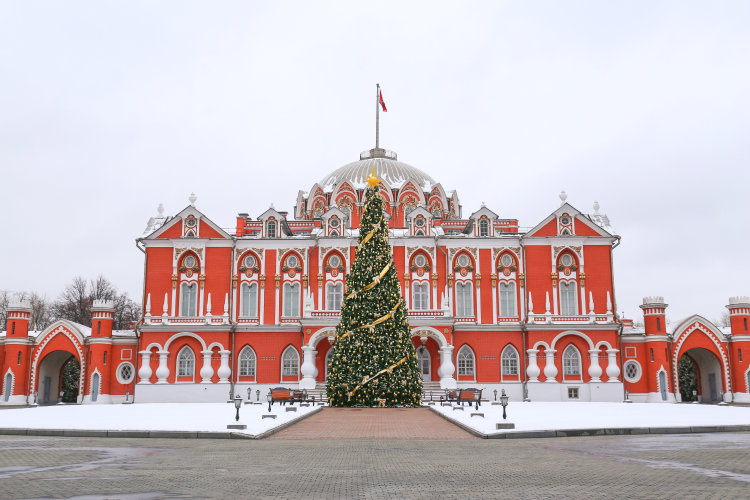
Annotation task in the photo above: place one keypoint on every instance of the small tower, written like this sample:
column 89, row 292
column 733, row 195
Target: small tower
column 99, row 371
column 654, row 315
column 15, row 364
column 739, row 315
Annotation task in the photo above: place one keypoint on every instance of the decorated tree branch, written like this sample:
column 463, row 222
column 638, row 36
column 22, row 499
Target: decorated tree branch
column 374, row 362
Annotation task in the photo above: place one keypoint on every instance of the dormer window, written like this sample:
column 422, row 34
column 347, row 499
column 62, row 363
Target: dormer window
column 190, row 222
column 271, row 229
column 565, row 220
column 484, row 227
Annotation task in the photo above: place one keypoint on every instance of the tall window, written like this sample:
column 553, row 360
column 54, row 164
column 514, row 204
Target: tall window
column 568, row 302
column 334, row 294
column 249, row 300
column 186, row 362
column 571, row 362
column 290, row 363
column 509, row 361
column 421, row 296
column 291, row 300
column 464, row 299
column 271, row 229
column 188, row 300
column 484, row 227
column 507, row 300
column 247, row 362
column 465, row 361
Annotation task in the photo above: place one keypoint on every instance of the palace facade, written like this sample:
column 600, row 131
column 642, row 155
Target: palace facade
column 490, row 305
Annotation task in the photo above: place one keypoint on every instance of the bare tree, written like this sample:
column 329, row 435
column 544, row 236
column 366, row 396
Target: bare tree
column 74, row 304
column 77, row 299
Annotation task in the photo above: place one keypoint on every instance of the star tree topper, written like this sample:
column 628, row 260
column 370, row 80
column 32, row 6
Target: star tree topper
column 373, row 180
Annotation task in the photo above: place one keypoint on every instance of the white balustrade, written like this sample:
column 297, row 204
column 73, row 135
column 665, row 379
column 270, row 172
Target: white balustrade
column 447, row 368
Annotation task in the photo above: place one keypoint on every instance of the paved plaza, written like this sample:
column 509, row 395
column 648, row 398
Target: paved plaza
column 652, row 466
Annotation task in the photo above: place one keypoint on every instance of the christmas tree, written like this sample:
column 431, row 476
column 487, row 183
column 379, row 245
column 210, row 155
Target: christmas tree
column 374, row 362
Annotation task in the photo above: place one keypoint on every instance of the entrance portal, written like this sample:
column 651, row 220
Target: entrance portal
column 52, row 380
column 699, row 370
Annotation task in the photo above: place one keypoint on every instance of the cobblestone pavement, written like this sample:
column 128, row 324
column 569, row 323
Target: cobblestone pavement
column 652, row 466
column 352, row 423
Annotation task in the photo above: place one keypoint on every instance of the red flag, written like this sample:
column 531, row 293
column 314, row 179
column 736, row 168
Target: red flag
column 382, row 102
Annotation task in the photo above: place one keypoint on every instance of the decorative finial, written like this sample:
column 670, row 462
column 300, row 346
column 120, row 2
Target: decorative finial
column 484, row 205
column 160, row 209
column 271, row 207
column 373, row 180
column 563, row 196
column 192, row 199
column 596, row 207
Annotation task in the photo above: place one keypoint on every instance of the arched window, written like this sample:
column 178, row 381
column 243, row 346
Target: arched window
column 290, row 363
column 421, row 296
column 188, row 300
column 507, row 300
column 571, row 362
column 465, row 362
column 249, row 300
column 291, row 300
column 509, row 361
column 464, row 300
column 247, row 362
column 271, row 231
column 484, row 227
column 8, row 387
column 334, row 294
column 568, row 300
column 185, row 362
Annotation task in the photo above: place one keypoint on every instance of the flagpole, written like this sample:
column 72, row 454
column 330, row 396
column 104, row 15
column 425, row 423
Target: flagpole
column 377, row 117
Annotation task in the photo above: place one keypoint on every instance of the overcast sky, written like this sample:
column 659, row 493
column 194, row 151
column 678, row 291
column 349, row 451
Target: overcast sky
column 109, row 108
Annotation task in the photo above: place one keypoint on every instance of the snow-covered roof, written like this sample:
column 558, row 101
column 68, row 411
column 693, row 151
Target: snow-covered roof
column 392, row 171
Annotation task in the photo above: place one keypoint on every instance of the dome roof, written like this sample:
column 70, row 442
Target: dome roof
column 387, row 167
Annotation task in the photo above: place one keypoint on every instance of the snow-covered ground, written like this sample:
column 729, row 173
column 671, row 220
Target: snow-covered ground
column 207, row 417
column 539, row 416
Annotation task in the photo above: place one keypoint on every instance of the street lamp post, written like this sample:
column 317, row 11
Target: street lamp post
column 257, row 395
column 695, row 396
column 477, row 395
column 504, row 402
column 237, row 405
column 269, row 397
column 495, row 391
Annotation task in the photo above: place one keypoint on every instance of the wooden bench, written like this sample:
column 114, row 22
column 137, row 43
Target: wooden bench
column 281, row 395
column 468, row 395
column 451, row 395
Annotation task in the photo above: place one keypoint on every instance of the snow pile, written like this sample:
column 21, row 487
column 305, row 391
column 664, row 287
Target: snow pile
column 539, row 416
column 204, row 417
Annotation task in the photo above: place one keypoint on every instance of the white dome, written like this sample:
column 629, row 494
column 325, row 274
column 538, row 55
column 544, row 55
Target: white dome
column 387, row 167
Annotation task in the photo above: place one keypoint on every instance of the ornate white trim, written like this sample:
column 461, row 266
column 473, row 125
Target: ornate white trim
column 78, row 344
column 677, row 346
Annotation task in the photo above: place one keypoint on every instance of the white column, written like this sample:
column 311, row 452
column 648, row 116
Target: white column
column 479, row 302
column 550, row 370
column 226, row 309
column 207, row 370
column 147, row 316
column 165, row 309
column 447, row 369
column 583, row 300
column 533, row 369
column 308, row 368
column 613, row 371
column 261, row 309
column 162, row 372
column 495, row 298
column 595, row 371
column 276, row 304
column 208, row 309
column 224, row 371
column 145, row 371
column 546, row 301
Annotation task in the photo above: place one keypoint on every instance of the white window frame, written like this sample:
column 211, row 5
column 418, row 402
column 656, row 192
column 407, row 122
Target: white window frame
column 185, row 362
column 271, row 228
column 246, row 360
column 118, row 374
column 509, row 362
column 420, row 296
column 507, row 299
column 334, row 296
column 188, row 300
column 291, row 300
column 639, row 370
column 571, row 360
column 464, row 299
column 249, row 300
column 568, row 298
column 484, row 227
column 290, row 363
column 465, row 362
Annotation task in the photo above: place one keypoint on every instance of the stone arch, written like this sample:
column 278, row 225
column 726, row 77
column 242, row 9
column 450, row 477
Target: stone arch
column 316, row 337
column 603, row 343
column 698, row 325
column 68, row 330
column 216, row 344
column 177, row 336
column 572, row 332
column 433, row 333
column 541, row 343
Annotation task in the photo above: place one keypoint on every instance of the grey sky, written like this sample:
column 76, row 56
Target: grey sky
column 109, row 108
